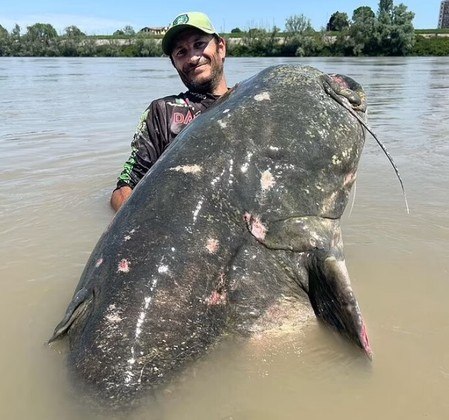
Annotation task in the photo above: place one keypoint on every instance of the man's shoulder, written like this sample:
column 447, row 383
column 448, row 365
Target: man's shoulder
column 173, row 100
column 185, row 98
column 183, row 103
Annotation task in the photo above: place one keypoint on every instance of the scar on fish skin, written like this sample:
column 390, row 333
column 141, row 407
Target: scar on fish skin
column 212, row 245
column 218, row 296
column 264, row 96
column 187, row 169
column 267, row 180
column 123, row 266
column 162, row 269
column 255, row 226
column 129, row 235
column 350, row 179
column 113, row 317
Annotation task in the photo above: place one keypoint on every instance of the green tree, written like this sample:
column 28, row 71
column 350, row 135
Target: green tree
column 41, row 32
column 308, row 46
column 87, row 47
column 298, row 33
column 298, row 25
column 435, row 46
column 3, row 32
column 71, row 42
column 362, row 14
column 385, row 7
column 395, row 31
column 360, row 40
column 146, row 46
column 4, row 42
column 338, row 22
column 15, row 41
column 273, row 47
column 73, row 32
column 385, row 24
column 129, row 30
column 126, row 31
column 253, row 42
column 402, row 35
column 40, row 40
column 15, row 33
column 236, row 31
column 390, row 32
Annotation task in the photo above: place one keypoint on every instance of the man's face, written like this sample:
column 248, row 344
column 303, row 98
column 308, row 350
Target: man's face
column 198, row 58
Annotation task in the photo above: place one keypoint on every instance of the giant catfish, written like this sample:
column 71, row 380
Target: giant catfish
column 240, row 215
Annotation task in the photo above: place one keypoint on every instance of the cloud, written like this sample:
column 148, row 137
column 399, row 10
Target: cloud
column 88, row 24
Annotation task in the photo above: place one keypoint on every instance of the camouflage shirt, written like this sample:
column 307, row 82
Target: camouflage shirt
column 160, row 123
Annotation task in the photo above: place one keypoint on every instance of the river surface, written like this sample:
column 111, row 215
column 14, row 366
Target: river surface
column 65, row 130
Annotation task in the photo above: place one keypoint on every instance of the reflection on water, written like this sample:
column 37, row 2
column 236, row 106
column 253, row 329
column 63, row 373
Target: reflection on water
column 64, row 133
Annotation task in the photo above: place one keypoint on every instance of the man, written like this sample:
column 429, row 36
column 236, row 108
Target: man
column 197, row 52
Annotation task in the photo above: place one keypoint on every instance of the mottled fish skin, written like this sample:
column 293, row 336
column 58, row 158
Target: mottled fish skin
column 240, row 215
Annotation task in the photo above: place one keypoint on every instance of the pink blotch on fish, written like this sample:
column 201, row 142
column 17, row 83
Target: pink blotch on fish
column 123, row 266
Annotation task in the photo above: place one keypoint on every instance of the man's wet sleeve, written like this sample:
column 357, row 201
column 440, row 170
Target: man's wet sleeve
column 145, row 150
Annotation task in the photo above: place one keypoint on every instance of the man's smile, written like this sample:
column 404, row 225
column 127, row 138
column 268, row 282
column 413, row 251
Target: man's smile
column 199, row 66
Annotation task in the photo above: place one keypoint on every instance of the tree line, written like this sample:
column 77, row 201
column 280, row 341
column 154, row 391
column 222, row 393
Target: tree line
column 388, row 32
column 42, row 40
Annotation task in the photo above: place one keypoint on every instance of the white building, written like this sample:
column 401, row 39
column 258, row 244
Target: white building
column 160, row 30
column 443, row 21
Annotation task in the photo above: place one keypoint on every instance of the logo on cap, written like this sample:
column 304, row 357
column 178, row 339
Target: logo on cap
column 181, row 19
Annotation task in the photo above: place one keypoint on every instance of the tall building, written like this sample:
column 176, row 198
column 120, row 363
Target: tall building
column 443, row 22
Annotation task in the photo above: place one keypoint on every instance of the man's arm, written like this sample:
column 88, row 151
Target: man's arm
column 146, row 148
column 119, row 196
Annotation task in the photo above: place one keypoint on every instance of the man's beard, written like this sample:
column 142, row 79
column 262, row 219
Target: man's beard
column 204, row 86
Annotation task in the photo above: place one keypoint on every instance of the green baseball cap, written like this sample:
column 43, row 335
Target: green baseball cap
column 196, row 20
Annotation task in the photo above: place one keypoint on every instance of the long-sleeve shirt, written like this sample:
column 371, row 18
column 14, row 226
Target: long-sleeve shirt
column 160, row 123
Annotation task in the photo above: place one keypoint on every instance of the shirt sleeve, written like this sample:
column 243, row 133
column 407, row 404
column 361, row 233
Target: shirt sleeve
column 147, row 146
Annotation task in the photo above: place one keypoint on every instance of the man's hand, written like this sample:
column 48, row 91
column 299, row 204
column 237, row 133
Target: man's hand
column 119, row 196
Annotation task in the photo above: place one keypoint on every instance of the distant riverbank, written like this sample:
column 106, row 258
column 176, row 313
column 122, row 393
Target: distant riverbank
column 253, row 43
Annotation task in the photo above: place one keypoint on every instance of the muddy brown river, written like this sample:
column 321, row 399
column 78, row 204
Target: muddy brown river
column 65, row 130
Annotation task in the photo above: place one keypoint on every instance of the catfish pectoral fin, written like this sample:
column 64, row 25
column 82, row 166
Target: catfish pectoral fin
column 333, row 300
column 77, row 306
